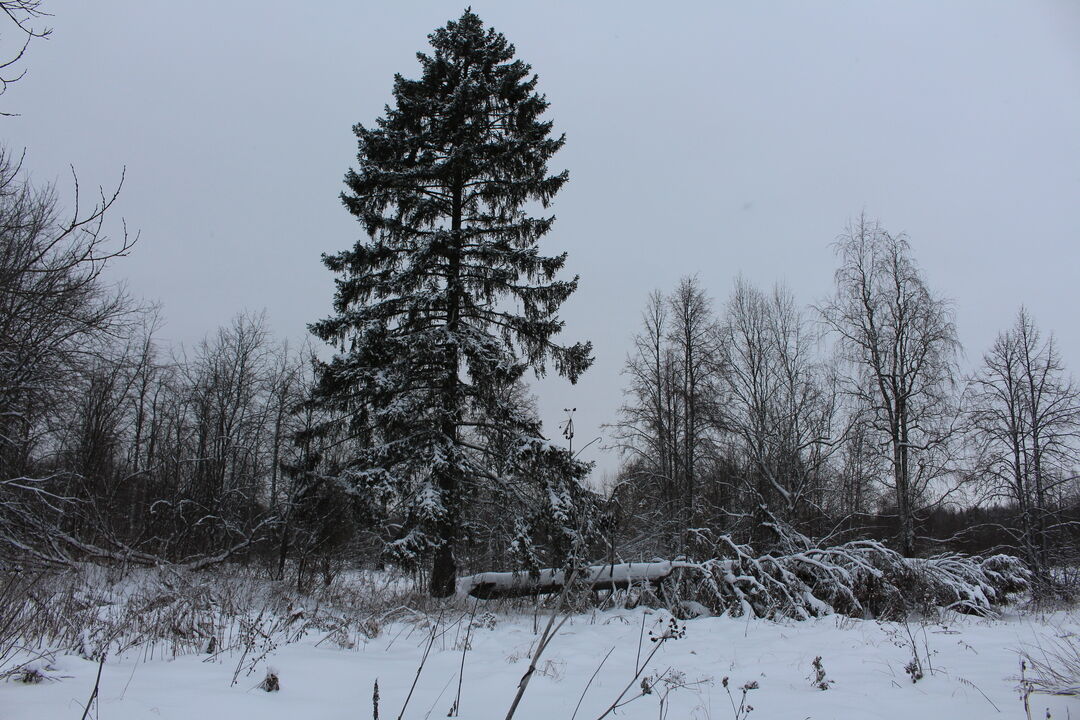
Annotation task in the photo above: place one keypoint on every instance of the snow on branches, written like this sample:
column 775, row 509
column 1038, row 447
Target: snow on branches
column 860, row 578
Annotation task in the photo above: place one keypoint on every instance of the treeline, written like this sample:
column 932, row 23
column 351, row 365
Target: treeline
column 753, row 418
column 114, row 447
column 758, row 417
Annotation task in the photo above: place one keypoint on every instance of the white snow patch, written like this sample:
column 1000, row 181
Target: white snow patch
column 970, row 657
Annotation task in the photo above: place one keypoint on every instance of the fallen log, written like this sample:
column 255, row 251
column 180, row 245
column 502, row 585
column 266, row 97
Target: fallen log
column 860, row 578
column 618, row 576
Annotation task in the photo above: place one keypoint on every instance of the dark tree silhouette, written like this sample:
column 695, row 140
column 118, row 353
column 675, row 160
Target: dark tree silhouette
column 448, row 301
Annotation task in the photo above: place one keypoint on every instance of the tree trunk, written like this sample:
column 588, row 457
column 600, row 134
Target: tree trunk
column 902, row 478
column 613, row 576
column 283, row 549
column 444, row 565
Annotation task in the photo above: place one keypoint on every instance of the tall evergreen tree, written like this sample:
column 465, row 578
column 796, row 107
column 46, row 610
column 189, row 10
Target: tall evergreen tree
column 448, row 300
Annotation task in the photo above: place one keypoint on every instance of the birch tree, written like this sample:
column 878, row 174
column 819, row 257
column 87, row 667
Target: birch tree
column 1024, row 412
column 899, row 342
column 779, row 405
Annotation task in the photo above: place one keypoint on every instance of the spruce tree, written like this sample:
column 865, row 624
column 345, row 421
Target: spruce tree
column 447, row 301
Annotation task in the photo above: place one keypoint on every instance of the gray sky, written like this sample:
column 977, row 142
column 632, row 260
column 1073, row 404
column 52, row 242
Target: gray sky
column 715, row 138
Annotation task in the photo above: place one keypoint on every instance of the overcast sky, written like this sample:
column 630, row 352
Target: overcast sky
column 714, row 138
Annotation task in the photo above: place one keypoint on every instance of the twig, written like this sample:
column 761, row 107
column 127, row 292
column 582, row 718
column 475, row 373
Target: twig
column 549, row 633
column 427, row 650
column 97, row 684
column 589, row 684
column 965, row 681
column 641, row 636
column 671, row 633
column 438, row 698
column 461, row 672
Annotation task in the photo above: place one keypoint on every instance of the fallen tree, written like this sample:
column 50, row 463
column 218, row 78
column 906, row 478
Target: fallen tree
column 861, row 578
column 617, row 576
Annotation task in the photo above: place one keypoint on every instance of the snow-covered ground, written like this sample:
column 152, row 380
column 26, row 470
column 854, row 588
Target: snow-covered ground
column 971, row 672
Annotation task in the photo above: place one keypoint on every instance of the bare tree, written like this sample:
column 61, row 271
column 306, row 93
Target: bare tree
column 900, row 344
column 667, row 427
column 692, row 337
column 1024, row 412
column 858, row 466
column 23, row 14
column 648, row 418
column 57, row 318
column 779, row 405
column 227, row 383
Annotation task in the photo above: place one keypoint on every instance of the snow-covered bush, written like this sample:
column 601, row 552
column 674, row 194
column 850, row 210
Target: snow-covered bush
column 860, row 578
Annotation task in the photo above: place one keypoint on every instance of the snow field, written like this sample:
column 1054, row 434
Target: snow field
column 970, row 672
